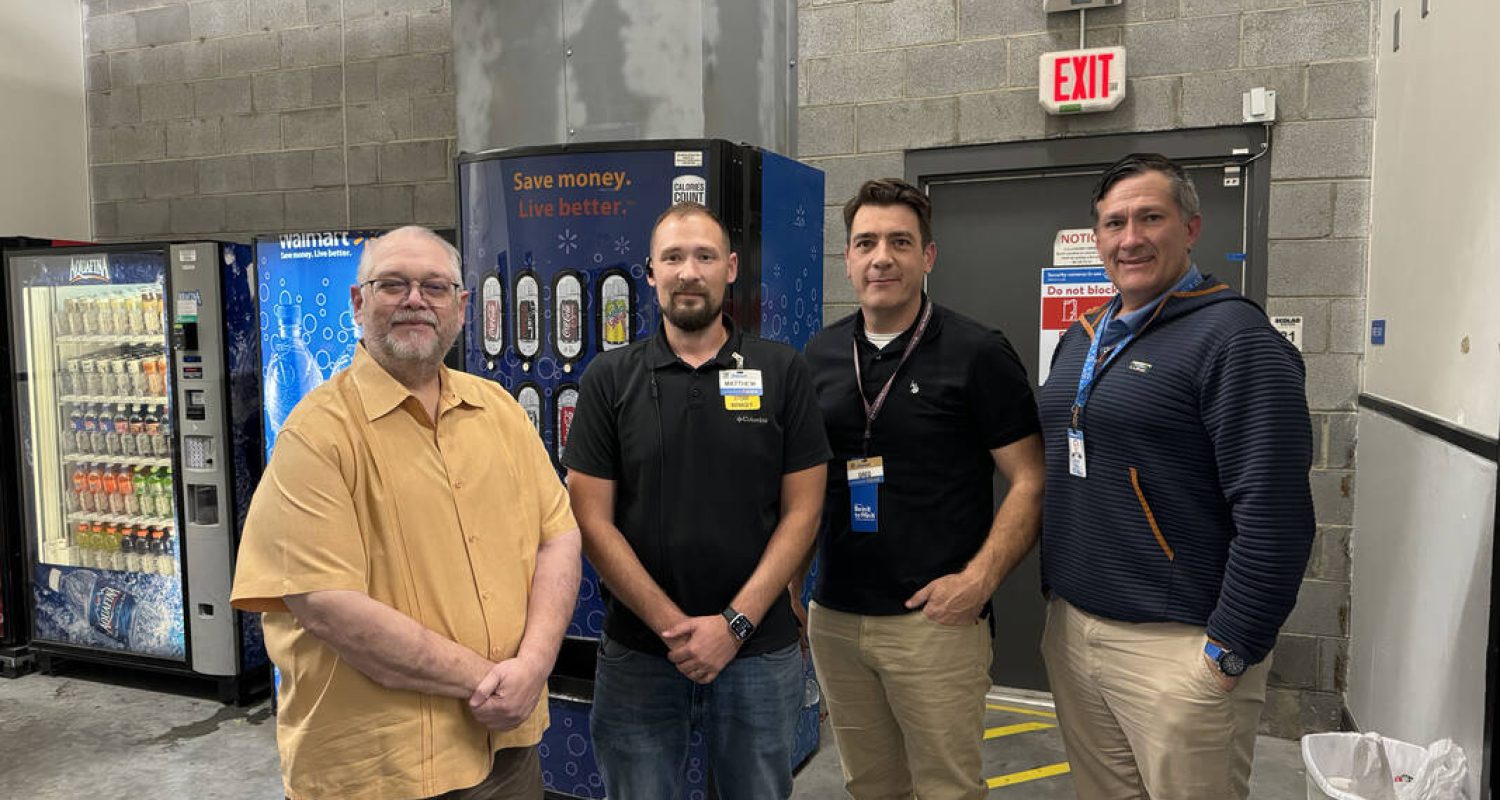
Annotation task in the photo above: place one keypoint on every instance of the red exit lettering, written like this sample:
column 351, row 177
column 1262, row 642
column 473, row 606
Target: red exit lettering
column 1084, row 77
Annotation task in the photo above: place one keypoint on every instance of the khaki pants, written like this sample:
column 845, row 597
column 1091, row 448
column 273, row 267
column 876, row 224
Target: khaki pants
column 1142, row 712
column 906, row 701
column 516, row 775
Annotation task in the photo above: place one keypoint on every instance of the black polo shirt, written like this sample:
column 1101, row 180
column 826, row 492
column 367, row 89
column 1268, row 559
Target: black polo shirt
column 962, row 393
column 697, row 484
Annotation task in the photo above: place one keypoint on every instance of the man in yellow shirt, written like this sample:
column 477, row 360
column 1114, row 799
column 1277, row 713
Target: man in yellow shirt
column 415, row 557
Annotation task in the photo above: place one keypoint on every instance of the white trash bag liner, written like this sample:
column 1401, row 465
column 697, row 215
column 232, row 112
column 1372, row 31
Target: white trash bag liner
column 1354, row 766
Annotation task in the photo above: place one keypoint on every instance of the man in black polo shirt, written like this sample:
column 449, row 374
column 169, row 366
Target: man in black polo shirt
column 922, row 405
column 696, row 465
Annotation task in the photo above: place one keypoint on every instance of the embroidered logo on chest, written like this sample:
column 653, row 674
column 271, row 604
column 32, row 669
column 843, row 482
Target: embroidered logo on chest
column 1140, row 366
column 915, row 389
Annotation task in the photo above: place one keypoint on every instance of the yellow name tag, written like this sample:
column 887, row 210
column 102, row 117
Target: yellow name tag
column 742, row 402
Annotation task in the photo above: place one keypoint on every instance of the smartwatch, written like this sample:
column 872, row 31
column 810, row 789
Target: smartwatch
column 1230, row 663
column 739, row 624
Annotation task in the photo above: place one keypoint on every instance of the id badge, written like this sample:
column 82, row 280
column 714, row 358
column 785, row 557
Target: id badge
column 1077, row 463
column 865, row 477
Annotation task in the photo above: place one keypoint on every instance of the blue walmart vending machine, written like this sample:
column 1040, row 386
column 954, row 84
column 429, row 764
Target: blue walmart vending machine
column 136, row 409
column 555, row 241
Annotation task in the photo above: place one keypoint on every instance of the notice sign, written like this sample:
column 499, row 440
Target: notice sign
column 1076, row 247
column 1067, row 293
column 1082, row 81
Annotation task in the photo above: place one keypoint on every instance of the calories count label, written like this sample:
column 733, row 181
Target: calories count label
column 528, row 315
column 492, row 298
column 567, row 316
column 614, row 310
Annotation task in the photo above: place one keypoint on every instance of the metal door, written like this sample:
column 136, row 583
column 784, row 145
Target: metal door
column 995, row 230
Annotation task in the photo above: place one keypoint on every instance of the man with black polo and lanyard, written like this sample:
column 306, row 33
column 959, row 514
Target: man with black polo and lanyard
column 922, row 405
column 696, row 465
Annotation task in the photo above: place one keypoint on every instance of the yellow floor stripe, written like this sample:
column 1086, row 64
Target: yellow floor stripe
column 1029, row 775
column 1008, row 730
column 1030, row 712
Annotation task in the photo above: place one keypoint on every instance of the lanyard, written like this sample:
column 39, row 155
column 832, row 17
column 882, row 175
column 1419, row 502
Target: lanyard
column 1091, row 365
column 872, row 410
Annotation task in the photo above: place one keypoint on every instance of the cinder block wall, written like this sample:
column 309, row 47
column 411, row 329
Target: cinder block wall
column 228, row 118
column 882, row 76
column 234, row 117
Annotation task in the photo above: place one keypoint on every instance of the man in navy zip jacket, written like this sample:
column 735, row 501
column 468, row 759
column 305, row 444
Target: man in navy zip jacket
column 1178, row 516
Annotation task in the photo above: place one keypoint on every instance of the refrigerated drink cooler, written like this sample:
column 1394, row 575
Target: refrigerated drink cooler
column 136, row 379
column 555, row 241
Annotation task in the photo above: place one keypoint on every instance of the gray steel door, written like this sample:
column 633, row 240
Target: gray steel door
column 994, row 237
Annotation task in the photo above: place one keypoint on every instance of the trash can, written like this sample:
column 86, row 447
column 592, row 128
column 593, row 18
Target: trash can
column 1368, row 766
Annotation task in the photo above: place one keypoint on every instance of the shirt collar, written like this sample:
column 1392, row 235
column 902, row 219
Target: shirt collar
column 1120, row 325
column 900, row 341
column 380, row 393
column 659, row 352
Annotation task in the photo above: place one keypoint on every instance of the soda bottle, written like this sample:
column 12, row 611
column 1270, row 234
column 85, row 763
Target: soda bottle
column 142, row 433
column 75, row 316
column 80, row 538
column 128, row 558
column 98, row 439
column 121, row 425
column 162, row 439
column 168, row 562
column 109, row 548
column 111, row 436
column 125, row 487
column 163, row 493
column 140, row 479
column 158, row 547
column 111, row 481
column 96, row 490
column 292, row 372
column 113, row 611
column 80, row 488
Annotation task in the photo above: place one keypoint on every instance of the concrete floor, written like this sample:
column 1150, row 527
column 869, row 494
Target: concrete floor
column 91, row 732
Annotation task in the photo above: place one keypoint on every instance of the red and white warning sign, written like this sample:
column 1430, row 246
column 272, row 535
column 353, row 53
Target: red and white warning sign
column 1081, row 81
column 1076, row 247
column 1067, row 294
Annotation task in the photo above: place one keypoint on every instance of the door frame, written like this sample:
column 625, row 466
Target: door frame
column 1248, row 146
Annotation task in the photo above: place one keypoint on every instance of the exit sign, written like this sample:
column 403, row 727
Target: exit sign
column 1082, row 81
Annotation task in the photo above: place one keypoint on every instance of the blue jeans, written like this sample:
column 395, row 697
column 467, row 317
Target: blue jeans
column 645, row 711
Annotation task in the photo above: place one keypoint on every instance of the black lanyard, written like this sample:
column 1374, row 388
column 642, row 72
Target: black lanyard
column 872, row 410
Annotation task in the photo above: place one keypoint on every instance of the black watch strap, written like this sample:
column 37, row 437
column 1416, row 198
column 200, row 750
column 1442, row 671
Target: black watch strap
column 739, row 624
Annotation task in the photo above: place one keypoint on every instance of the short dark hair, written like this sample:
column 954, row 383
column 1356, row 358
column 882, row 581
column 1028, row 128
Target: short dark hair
column 891, row 192
column 1183, row 191
column 687, row 208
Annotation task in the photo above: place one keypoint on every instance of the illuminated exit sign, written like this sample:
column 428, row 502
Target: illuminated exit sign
column 1082, row 81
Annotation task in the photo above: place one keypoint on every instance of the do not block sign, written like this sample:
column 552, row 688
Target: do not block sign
column 1082, row 81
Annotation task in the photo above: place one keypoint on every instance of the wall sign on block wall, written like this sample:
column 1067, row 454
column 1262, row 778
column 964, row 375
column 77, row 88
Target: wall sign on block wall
column 1291, row 328
column 1377, row 331
column 1082, row 81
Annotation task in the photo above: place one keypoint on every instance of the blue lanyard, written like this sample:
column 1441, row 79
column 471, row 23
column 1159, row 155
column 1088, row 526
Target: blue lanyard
column 1091, row 365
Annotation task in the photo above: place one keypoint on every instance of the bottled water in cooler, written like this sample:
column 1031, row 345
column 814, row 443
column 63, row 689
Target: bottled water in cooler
column 112, row 610
column 292, row 371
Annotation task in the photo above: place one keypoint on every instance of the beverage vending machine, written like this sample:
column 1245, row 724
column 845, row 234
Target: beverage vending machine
column 555, row 241
column 15, row 628
column 137, row 414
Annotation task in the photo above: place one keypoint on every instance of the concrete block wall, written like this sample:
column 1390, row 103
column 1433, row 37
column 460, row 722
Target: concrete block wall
column 879, row 77
column 228, row 118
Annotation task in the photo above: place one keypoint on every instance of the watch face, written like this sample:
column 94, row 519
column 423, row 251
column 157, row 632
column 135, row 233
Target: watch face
column 1231, row 664
column 741, row 627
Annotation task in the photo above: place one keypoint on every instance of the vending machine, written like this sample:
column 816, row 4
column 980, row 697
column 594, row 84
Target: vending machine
column 137, row 417
column 15, row 628
column 555, row 241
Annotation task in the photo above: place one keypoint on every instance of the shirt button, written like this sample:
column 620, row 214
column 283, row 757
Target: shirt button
column 696, row 393
column 473, row 539
column 458, row 484
column 484, row 595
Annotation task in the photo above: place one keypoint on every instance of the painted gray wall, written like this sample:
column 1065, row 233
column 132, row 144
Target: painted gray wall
column 882, row 76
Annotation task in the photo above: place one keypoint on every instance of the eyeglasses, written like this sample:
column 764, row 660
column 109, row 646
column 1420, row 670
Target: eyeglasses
column 391, row 291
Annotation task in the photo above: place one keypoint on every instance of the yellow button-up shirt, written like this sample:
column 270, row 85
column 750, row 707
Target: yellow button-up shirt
column 440, row 522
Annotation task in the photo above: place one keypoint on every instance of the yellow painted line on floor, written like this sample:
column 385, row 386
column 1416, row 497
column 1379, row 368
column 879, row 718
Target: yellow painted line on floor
column 1010, row 730
column 1029, row 775
column 1030, row 712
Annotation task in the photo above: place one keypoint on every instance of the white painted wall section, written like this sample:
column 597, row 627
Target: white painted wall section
column 1421, row 595
column 44, row 186
column 1435, row 214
